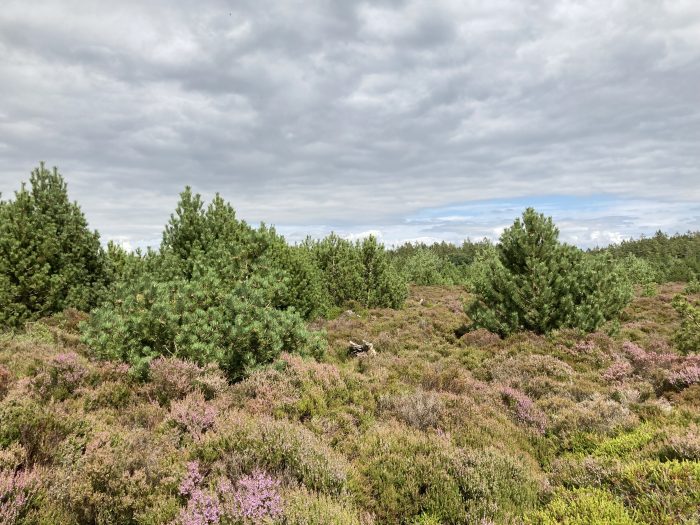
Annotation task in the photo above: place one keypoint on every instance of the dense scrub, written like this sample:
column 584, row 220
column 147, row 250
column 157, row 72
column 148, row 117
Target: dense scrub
column 440, row 427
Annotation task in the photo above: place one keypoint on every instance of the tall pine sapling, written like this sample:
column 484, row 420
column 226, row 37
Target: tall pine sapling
column 49, row 259
column 531, row 281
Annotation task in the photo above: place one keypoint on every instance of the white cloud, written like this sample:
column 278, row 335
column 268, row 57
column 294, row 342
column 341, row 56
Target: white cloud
column 356, row 115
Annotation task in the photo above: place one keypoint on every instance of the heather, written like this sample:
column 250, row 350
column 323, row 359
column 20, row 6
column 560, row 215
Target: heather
column 440, row 426
column 228, row 377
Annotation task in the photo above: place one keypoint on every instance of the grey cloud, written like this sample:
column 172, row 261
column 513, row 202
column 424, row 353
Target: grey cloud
column 350, row 115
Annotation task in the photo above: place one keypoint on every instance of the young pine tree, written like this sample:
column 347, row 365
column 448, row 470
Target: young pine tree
column 49, row 259
column 217, row 291
column 382, row 285
column 531, row 281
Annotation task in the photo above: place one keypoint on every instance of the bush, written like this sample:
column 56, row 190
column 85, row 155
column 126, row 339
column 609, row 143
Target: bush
column 5, row 379
column 683, row 446
column 216, row 293
column 277, row 446
column 61, row 376
column 39, row 429
column 687, row 338
column 120, row 477
column 359, row 272
column 308, row 508
column 524, row 410
column 426, row 268
column 200, row 321
column 406, row 474
column 421, row 410
column 49, row 259
column 17, row 490
column 193, row 414
column 583, row 507
column 532, row 282
column 172, row 379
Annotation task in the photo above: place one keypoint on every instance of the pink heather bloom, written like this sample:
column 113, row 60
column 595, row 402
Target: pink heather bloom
column 685, row 377
column 643, row 359
column 194, row 414
column 16, row 490
column 254, row 498
column 191, row 480
column 585, row 346
column 618, row 371
column 202, row 509
column 524, row 409
column 67, row 369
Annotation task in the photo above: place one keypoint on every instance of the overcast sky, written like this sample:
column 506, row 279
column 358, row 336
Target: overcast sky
column 414, row 120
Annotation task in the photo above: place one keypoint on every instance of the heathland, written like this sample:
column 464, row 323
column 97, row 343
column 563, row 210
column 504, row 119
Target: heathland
column 230, row 377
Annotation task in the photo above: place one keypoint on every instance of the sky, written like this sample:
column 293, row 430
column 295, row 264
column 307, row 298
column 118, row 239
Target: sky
column 412, row 120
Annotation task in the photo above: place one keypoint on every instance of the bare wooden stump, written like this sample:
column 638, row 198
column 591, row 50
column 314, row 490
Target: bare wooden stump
column 366, row 348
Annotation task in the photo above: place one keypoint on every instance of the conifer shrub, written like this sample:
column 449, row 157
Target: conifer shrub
column 687, row 337
column 49, row 259
column 426, row 268
column 361, row 271
column 531, row 281
column 218, row 291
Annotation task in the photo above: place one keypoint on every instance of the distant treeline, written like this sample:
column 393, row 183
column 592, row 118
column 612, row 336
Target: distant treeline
column 673, row 258
column 664, row 258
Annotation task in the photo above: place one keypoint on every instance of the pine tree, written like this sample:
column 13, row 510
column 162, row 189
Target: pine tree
column 531, row 281
column 49, row 259
column 217, row 291
column 382, row 285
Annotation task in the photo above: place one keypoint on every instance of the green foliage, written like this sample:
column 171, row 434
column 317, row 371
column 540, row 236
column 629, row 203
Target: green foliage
column 49, row 259
column 218, row 291
column 308, row 508
column 583, row 507
column 426, row 268
column 381, row 285
column 640, row 271
column 360, row 271
column 406, row 474
column 687, row 337
column 533, row 282
column 692, row 287
column 672, row 258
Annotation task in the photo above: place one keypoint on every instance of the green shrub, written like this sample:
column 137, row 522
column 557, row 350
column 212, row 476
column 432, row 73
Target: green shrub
column 531, row 281
column 626, row 443
column 308, row 508
column 660, row 492
column 278, row 447
column 687, row 337
column 216, row 293
column 37, row 428
column 49, row 259
column 405, row 474
column 426, row 268
column 583, row 507
column 360, row 271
